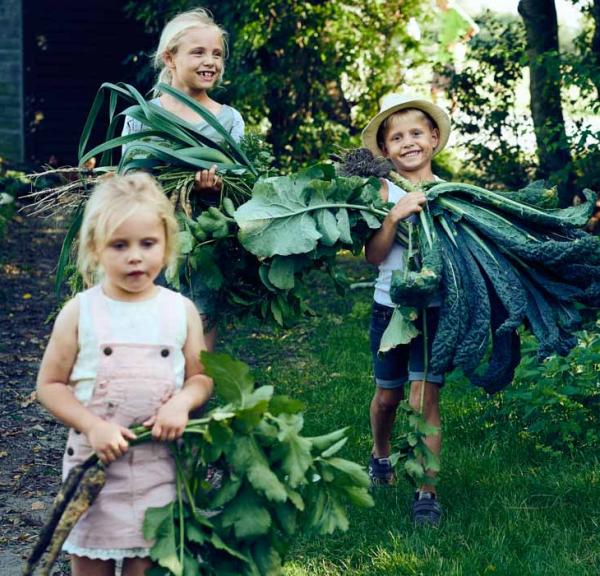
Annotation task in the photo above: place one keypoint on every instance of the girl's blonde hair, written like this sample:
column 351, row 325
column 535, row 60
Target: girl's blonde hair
column 171, row 36
column 111, row 203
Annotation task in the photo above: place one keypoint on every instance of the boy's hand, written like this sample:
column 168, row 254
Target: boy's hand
column 170, row 420
column 408, row 205
column 109, row 440
column 208, row 181
column 593, row 221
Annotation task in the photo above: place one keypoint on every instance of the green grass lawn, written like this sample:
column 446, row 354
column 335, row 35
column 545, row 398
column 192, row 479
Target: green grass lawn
column 511, row 507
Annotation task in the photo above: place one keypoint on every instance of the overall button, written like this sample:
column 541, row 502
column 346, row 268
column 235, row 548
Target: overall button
column 164, row 352
column 107, row 351
column 70, row 451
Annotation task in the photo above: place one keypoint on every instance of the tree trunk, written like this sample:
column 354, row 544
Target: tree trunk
column 541, row 29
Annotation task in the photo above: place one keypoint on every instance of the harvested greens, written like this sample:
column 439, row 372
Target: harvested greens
column 273, row 484
column 494, row 260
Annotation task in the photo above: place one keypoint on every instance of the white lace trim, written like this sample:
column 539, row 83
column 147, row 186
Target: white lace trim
column 106, row 553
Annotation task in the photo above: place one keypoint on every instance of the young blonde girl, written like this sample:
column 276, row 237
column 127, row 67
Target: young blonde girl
column 191, row 57
column 123, row 352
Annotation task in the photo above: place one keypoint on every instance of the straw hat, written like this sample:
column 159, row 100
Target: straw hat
column 392, row 103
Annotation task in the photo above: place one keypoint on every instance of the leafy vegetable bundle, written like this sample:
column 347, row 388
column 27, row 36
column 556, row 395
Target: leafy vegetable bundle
column 495, row 260
column 174, row 150
column 272, row 484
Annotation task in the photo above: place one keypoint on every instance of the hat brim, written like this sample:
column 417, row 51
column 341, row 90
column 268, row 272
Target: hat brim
column 442, row 120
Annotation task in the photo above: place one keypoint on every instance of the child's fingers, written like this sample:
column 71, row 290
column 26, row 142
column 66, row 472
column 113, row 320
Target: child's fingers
column 150, row 422
column 157, row 431
column 109, row 455
column 127, row 433
column 208, row 178
column 173, row 434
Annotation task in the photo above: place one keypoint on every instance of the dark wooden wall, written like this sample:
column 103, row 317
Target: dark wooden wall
column 70, row 48
column 11, row 84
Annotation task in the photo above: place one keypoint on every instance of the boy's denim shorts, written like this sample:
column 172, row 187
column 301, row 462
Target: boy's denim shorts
column 405, row 363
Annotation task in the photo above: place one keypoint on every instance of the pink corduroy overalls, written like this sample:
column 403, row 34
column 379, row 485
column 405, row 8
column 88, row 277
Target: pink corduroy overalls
column 132, row 382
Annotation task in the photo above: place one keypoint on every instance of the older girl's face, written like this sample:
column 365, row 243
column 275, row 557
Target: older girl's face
column 197, row 63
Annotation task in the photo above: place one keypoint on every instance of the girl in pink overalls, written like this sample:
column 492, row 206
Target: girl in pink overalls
column 124, row 352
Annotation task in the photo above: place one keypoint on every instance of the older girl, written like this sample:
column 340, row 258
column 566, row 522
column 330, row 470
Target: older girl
column 191, row 57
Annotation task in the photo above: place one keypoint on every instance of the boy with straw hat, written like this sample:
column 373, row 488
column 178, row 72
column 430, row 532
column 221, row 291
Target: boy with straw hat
column 409, row 131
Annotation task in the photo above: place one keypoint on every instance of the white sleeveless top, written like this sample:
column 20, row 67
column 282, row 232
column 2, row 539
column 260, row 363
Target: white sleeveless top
column 394, row 260
column 131, row 323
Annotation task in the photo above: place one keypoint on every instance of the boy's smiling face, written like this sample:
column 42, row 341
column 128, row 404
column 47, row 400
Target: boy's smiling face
column 409, row 142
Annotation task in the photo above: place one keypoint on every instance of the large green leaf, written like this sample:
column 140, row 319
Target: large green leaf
column 248, row 458
column 232, row 378
column 247, row 515
column 400, row 330
column 293, row 449
column 291, row 214
column 159, row 526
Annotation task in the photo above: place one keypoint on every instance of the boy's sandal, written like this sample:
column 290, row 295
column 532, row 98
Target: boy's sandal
column 426, row 510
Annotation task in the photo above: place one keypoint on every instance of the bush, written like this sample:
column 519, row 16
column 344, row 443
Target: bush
column 12, row 184
column 557, row 402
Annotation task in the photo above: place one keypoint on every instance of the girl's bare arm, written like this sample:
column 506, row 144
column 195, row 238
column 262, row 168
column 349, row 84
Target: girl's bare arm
column 53, row 376
column 173, row 416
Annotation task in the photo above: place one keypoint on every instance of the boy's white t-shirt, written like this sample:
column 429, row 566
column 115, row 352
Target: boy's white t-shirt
column 393, row 261
column 396, row 257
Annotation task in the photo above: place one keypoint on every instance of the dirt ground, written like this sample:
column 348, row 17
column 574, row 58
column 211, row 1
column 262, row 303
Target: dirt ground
column 31, row 441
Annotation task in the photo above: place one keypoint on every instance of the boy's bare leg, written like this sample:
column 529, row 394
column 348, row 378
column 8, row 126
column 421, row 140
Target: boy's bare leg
column 136, row 566
column 82, row 566
column 383, row 415
column 431, row 413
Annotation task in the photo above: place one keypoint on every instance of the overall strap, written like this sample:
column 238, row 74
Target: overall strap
column 170, row 306
column 99, row 313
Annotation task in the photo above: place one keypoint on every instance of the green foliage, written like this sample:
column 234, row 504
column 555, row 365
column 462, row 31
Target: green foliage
column 556, row 402
column 580, row 68
column 274, row 485
column 294, row 214
column 12, row 185
column 485, row 93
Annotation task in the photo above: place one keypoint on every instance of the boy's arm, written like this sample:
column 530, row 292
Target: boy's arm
column 172, row 417
column 380, row 243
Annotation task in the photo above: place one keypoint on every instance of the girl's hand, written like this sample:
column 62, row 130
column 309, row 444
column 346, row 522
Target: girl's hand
column 208, row 181
column 109, row 440
column 409, row 204
column 169, row 422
